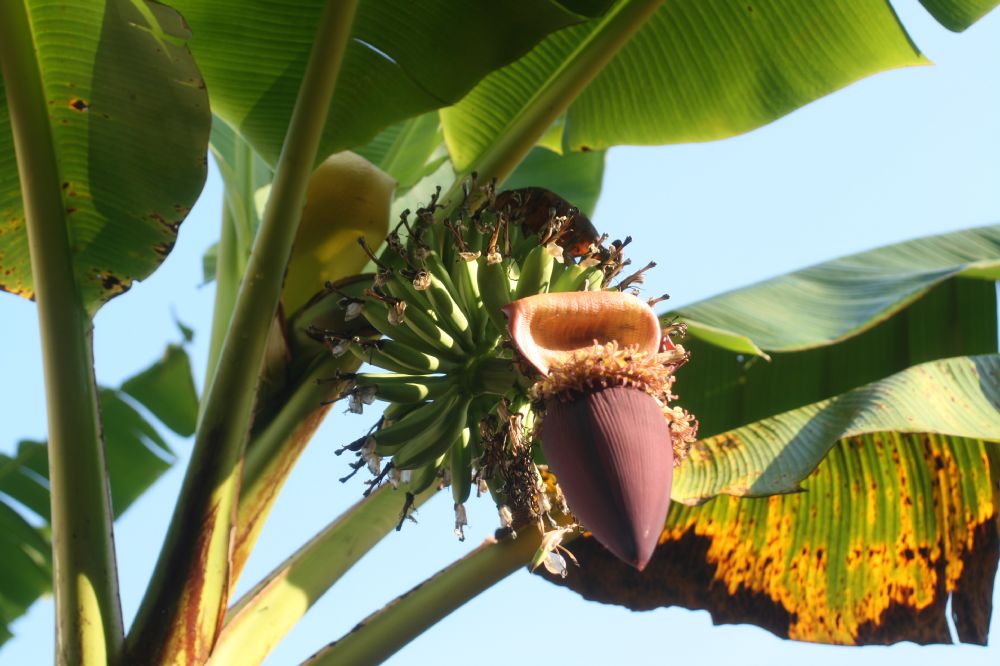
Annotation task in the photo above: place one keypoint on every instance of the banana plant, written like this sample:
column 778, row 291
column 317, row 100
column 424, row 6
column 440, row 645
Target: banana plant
column 497, row 316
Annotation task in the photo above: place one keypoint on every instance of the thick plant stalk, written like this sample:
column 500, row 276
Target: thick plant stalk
column 266, row 613
column 382, row 634
column 554, row 96
column 88, row 613
column 182, row 610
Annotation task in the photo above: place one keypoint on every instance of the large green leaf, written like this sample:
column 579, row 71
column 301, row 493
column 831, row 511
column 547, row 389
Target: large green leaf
column 698, row 70
column 136, row 456
column 923, row 302
column 129, row 117
column 837, row 299
column 888, row 528
column 956, row 396
column 874, row 383
column 405, row 59
column 407, row 151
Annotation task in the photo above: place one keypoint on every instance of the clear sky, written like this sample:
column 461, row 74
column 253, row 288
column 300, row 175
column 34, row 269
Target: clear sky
column 900, row 155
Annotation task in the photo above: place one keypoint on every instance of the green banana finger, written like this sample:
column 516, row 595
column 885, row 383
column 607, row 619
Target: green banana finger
column 421, row 479
column 450, row 313
column 400, row 387
column 461, row 466
column 394, row 356
column 494, row 287
column 390, row 438
column 416, row 330
column 536, row 273
column 571, row 279
column 396, row 411
column 402, row 288
column 377, row 314
column 595, row 279
column 436, row 439
column 464, row 274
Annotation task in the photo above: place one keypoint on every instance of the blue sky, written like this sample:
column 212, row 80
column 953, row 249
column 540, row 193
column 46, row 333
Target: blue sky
column 899, row 155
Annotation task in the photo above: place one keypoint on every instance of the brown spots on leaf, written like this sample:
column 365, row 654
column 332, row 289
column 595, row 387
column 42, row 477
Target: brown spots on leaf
column 169, row 224
column 78, row 104
column 114, row 285
column 848, row 561
column 163, row 249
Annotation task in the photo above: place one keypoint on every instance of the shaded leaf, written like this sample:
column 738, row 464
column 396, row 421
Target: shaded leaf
column 166, row 389
column 129, row 118
column 404, row 59
column 726, row 389
column 26, row 558
column 24, row 478
column 957, row 15
column 136, row 456
column 136, row 453
column 831, row 301
column 886, row 529
column 209, row 261
column 698, row 70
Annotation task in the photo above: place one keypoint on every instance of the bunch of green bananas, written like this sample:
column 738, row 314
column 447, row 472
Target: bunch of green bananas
column 459, row 410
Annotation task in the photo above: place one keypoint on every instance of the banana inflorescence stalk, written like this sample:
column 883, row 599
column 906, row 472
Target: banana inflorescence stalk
column 460, row 408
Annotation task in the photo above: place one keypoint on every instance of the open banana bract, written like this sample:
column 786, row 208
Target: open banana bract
column 505, row 324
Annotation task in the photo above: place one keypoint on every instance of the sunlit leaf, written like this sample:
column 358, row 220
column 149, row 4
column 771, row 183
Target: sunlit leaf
column 129, row 118
column 698, row 70
column 834, row 300
column 405, row 59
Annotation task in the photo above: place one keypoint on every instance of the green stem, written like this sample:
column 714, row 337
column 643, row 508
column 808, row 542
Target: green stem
column 555, row 95
column 88, row 613
column 227, row 281
column 181, row 613
column 383, row 633
column 266, row 613
column 273, row 450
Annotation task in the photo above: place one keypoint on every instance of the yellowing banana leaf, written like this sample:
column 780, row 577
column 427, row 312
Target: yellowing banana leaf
column 129, row 117
column 955, row 396
column 697, row 70
column 887, row 530
column 913, row 466
column 405, row 58
column 136, row 455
